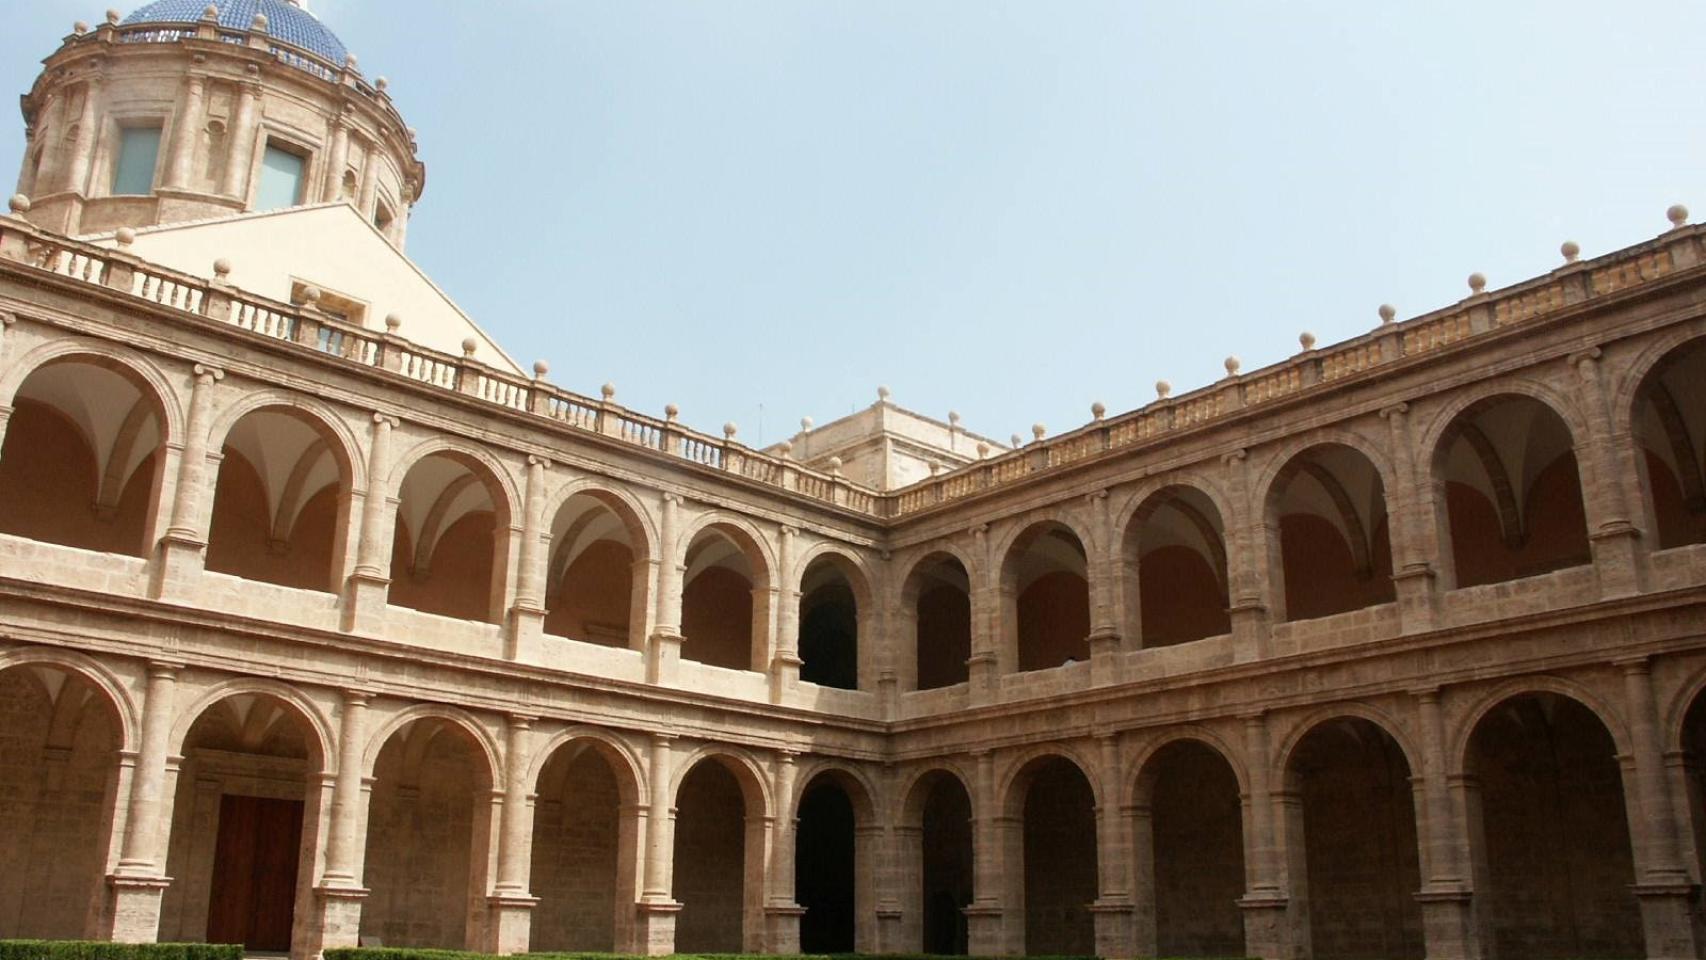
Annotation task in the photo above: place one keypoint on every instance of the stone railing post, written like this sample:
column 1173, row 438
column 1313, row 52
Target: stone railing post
column 178, row 564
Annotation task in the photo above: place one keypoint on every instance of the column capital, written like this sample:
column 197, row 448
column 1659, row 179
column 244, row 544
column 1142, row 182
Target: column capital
column 1395, row 411
column 1637, row 665
column 208, row 373
column 1428, row 694
column 1095, row 497
column 789, row 531
column 1234, row 457
column 1584, row 360
column 535, row 460
column 519, row 721
column 384, row 420
column 358, row 696
column 165, row 669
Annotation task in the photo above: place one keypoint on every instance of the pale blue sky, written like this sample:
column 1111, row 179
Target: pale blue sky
column 1006, row 209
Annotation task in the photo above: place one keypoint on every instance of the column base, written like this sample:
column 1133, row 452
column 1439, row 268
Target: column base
column 524, row 641
column 1267, row 926
column 177, row 569
column 1668, row 919
column 985, row 678
column 1448, row 924
column 509, row 923
column 336, row 921
column 782, row 928
column 1415, row 589
column 1105, row 646
column 654, row 927
column 1114, row 926
column 133, row 908
column 1615, row 561
column 986, row 929
column 889, row 918
column 663, row 656
column 784, row 677
column 365, row 596
column 1249, row 631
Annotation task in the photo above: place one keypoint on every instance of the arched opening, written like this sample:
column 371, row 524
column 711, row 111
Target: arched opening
column 82, row 459
column 595, row 587
column 1327, row 506
column 724, row 600
column 451, row 540
column 829, row 625
column 1190, row 843
column 59, row 743
column 584, row 867
column 1555, row 865
column 281, row 504
column 1356, row 837
column 1045, row 587
column 938, row 595
column 1177, row 544
column 242, row 851
column 427, row 838
column 1670, row 430
column 719, row 833
column 936, row 839
column 1512, row 495
column 1054, row 879
column 824, row 867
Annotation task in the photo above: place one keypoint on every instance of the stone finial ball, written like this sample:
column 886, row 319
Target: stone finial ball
column 785, row 447
column 125, row 236
column 1388, row 313
column 935, row 467
column 1098, row 409
column 540, row 369
column 1306, row 340
column 1477, row 281
column 806, row 424
column 1233, row 365
column 1677, row 214
column 311, row 296
column 113, row 16
column 883, row 393
column 729, row 430
column 1571, row 250
column 468, row 346
column 954, row 417
column 392, row 322
column 671, row 411
column 350, row 62
column 835, row 466
column 211, row 12
column 79, row 28
column 982, row 449
column 608, row 391
column 259, row 23
column 1038, row 430
column 222, row 268
column 1162, row 389
column 1016, row 441
column 382, row 84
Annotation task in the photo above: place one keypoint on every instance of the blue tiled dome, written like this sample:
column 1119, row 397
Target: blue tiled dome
column 286, row 22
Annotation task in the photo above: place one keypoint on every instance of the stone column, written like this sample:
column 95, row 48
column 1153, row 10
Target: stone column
column 985, row 917
column 1448, row 921
column 664, row 654
column 178, row 565
column 1413, row 541
column 1267, row 928
column 369, row 586
column 83, row 148
column 186, row 129
column 786, row 662
column 337, row 159
column 1611, row 532
column 1248, row 579
column 244, row 130
column 138, row 881
column 509, row 922
column 368, row 199
column 1113, row 909
column 339, row 896
column 1140, row 822
column 1662, row 884
column 655, row 917
column 527, row 617
column 781, row 911
column 1103, row 558
column 984, row 665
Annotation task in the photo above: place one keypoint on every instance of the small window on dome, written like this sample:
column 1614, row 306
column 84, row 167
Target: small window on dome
column 383, row 217
column 138, row 155
column 282, row 174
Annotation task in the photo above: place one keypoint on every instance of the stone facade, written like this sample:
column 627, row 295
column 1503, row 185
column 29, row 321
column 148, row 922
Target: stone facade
column 1391, row 649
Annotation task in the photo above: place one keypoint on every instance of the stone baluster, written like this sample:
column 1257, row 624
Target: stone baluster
column 511, row 905
column 369, row 585
column 179, row 563
column 664, row 654
column 527, row 616
column 655, row 927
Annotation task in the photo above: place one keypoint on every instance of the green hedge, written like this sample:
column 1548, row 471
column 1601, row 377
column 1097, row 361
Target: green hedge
column 405, row 953
column 101, row 950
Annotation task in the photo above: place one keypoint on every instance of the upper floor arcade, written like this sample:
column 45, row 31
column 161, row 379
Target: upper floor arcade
column 1524, row 451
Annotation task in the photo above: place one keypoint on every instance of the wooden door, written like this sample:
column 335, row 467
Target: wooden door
column 253, row 900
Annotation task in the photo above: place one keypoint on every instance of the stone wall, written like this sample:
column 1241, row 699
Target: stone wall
column 710, row 861
column 575, row 856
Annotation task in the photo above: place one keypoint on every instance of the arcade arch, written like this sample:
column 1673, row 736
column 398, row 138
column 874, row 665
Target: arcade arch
column 719, row 857
column 725, row 599
column 1669, row 423
column 937, row 597
column 1051, row 857
column 833, row 604
column 585, row 868
column 1189, row 843
column 596, row 580
column 937, row 825
column 450, row 551
column 1045, row 596
column 1328, row 533
column 1175, row 558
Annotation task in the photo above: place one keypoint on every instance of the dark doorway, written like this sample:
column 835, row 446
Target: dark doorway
column 823, row 869
column 254, row 872
column 947, row 868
